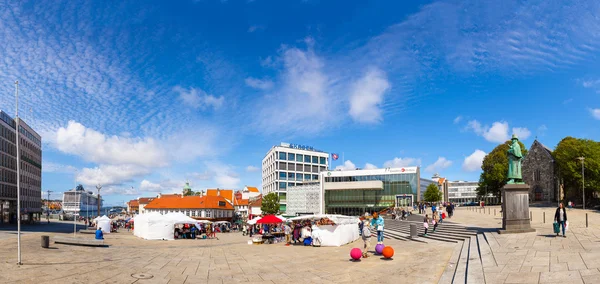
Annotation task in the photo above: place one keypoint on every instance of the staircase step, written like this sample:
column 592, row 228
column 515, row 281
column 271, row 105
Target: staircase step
column 460, row 276
column 450, row 271
column 487, row 257
column 475, row 272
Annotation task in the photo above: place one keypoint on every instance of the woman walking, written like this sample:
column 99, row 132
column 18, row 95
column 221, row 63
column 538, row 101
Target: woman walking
column 426, row 224
column 435, row 221
column 561, row 218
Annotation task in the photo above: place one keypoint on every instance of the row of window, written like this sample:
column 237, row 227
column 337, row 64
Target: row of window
column 297, row 176
column 6, row 118
column 197, row 213
column 29, row 135
column 302, row 158
column 9, row 191
column 393, row 177
column 300, row 167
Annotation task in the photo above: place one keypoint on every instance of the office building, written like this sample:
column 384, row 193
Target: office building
column 291, row 164
column 357, row 191
column 462, row 192
column 30, row 147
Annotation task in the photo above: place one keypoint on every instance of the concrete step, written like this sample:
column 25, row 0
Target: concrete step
column 475, row 269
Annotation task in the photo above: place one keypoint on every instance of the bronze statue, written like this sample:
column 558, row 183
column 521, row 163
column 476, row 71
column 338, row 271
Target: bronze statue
column 514, row 162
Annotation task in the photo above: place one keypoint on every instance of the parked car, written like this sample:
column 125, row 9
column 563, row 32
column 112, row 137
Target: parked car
column 472, row 203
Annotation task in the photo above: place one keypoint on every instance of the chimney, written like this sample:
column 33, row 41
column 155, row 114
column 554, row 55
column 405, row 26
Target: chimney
column 218, row 192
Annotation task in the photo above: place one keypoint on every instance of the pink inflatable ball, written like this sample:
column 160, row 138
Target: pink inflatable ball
column 379, row 248
column 355, row 253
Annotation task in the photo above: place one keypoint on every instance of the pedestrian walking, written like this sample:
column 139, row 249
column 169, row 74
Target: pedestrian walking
column 426, row 224
column 366, row 237
column 377, row 223
column 288, row 231
column 560, row 217
column 435, row 221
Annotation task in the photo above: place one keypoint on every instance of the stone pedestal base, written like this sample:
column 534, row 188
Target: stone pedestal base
column 515, row 209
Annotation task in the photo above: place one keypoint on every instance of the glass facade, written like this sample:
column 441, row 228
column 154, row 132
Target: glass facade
column 356, row 202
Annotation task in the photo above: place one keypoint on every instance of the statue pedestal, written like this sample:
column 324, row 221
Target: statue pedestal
column 515, row 209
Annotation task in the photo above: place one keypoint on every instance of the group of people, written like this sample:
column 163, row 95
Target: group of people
column 368, row 224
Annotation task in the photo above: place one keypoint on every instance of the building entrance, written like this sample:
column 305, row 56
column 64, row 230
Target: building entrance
column 404, row 200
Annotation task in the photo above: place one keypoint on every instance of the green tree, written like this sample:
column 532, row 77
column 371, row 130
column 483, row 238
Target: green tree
column 566, row 153
column 432, row 193
column 495, row 169
column 270, row 204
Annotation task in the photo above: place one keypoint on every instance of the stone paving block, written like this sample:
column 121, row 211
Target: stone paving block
column 556, row 267
column 588, row 272
column 525, row 269
column 540, row 268
column 560, row 276
column 591, row 279
column 576, row 265
column 522, row 277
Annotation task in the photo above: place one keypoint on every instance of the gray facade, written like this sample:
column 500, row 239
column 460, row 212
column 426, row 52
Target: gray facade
column 540, row 173
column 30, row 148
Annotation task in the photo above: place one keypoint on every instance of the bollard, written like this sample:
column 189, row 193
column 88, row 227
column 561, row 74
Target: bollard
column 45, row 241
column 413, row 231
column 489, row 211
column 544, row 217
column 586, row 220
column 530, row 217
column 494, row 212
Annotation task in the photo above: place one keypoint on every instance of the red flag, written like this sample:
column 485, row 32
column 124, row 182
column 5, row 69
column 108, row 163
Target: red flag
column 334, row 156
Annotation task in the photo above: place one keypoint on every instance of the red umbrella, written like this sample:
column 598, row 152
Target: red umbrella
column 269, row 219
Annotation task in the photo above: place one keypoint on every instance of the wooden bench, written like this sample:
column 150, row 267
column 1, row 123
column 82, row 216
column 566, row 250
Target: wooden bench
column 79, row 241
column 87, row 231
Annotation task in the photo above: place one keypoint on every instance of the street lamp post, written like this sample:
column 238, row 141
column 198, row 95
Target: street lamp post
column 18, row 174
column 98, row 187
column 582, row 159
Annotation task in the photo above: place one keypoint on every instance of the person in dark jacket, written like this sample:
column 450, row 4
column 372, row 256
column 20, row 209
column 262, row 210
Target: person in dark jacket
column 561, row 218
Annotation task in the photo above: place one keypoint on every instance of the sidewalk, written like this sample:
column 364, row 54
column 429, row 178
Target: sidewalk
column 537, row 257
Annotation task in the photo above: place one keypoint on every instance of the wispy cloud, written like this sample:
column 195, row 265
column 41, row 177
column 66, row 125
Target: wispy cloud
column 197, row 98
column 252, row 169
column 261, row 84
column 367, row 96
column 595, row 113
column 474, row 161
column 440, row 164
column 402, row 162
column 458, row 119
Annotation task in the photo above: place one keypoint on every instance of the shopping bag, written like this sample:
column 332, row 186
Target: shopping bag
column 566, row 226
column 556, row 228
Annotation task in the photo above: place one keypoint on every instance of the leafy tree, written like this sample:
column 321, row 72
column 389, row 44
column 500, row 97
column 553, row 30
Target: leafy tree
column 79, row 187
column 495, row 169
column 566, row 153
column 270, row 204
column 432, row 193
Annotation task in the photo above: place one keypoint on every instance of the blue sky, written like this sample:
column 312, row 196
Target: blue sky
column 143, row 96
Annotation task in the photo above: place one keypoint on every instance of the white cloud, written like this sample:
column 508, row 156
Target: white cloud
column 522, row 133
column 223, row 175
column 369, row 166
column 255, row 28
column 367, row 96
column 458, row 119
column 402, row 162
column 541, row 131
column 595, row 113
column 146, row 185
column 252, row 169
column 96, row 147
column 50, row 167
column 473, row 162
column 110, row 174
column 347, row 166
column 197, row 98
column 440, row 164
column 498, row 132
column 121, row 190
column 261, row 84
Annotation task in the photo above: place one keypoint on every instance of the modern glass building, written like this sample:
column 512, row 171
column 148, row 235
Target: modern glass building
column 358, row 191
column 290, row 165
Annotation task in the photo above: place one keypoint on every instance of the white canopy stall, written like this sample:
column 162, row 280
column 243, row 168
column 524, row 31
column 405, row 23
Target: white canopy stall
column 103, row 223
column 343, row 232
column 153, row 226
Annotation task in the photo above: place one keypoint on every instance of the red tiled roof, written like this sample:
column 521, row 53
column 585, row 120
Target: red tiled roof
column 227, row 193
column 190, row 202
column 441, row 180
column 170, row 195
column 133, row 203
column 256, row 203
column 252, row 189
column 145, row 200
column 241, row 202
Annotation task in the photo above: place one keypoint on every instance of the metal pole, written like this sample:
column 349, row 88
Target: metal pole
column 544, row 217
column 582, row 179
column 530, row 216
column 18, row 175
column 586, row 220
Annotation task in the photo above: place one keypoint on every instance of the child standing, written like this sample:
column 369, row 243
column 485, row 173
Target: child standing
column 435, row 221
column 426, row 224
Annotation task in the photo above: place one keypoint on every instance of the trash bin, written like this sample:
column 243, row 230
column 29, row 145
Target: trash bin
column 413, row 231
column 45, row 241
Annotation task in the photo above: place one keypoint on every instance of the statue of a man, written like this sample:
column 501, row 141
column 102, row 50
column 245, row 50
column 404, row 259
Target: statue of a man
column 514, row 161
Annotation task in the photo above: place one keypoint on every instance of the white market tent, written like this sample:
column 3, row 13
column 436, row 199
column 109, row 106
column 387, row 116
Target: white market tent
column 103, row 223
column 154, row 226
column 343, row 232
column 253, row 221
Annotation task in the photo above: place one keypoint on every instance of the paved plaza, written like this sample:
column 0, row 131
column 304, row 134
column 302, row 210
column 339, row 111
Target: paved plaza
column 480, row 257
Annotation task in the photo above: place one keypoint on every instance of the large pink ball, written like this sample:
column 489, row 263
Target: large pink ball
column 355, row 253
column 379, row 248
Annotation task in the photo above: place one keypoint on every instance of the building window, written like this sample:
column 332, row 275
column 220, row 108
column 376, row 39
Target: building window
column 315, row 177
column 282, row 175
column 307, row 177
column 282, row 185
column 537, row 175
column 291, row 157
column 194, row 213
column 315, row 159
column 282, row 155
column 299, row 177
column 221, row 203
column 322, row 160
column 306, row 158
column 299, row 157
column 291, row 176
